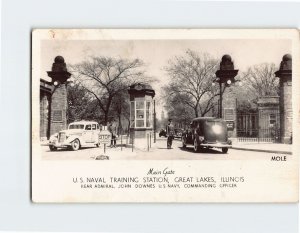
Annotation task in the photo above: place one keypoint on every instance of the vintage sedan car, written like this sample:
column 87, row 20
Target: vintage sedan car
column 79, row 134
column 178, row 133
column 162, row 133
column 207, row 132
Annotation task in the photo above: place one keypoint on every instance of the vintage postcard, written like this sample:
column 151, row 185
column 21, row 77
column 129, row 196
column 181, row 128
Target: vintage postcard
column 165, row 115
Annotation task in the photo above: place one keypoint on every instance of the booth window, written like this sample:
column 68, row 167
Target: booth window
column 140, row 114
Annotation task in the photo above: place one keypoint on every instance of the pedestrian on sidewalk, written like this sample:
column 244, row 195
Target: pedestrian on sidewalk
column 170, row 133
column 113, row 130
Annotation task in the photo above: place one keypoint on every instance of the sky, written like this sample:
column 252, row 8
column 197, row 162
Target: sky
column 156, row 53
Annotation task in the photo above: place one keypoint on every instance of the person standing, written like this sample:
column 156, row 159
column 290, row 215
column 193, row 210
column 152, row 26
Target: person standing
column 113, row 130
column 170, row 133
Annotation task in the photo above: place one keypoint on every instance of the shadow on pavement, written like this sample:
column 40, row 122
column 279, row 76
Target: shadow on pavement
column 203, row 150
column 67, row 149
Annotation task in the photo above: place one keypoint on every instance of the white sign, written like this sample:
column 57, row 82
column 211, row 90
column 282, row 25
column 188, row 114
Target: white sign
column 104, row 137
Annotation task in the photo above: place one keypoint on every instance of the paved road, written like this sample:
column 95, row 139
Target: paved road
column 157, row 152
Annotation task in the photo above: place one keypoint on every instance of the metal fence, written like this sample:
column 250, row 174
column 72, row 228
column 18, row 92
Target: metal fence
column 259, row 126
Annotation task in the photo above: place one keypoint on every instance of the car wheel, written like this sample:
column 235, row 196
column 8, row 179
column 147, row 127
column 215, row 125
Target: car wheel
column 52, row 148
column 75, row 145
column 196, row 146
column 224, row 150
column 183, row 142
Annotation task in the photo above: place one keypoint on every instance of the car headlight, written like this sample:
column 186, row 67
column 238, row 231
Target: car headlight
column 217, row 129
column 201, row 138
column 53, row 137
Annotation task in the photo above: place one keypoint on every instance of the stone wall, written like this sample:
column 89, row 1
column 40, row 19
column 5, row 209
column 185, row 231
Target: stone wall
column 286, row 120
column 44, row 104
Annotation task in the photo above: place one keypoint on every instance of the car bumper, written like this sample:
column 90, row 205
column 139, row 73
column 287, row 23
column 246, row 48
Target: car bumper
column 216, row 145
column 59, row 144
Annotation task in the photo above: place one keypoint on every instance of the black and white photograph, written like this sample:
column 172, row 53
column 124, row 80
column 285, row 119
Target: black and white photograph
column 203, row 99
column 150, row 116
column 164, row 95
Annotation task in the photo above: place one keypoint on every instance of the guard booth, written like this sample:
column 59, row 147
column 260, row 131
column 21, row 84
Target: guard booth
column 141, row 114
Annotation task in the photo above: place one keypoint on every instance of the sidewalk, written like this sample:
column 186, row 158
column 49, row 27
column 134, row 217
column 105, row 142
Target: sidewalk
column 263, row 147
column 124, row 150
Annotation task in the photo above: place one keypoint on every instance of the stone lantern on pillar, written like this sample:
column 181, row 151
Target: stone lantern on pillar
column 226, row 76
column 285, row 100
column 141, row 113
column 58, row 101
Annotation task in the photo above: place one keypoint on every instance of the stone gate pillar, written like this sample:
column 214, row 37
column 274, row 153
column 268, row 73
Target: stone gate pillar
column 227, row 105
column 58, row 101
column 229, row 111
column 285, row 101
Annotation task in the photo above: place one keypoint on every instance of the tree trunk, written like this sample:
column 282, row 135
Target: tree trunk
column 120, row 125
column 105, row 118
column 196, row 111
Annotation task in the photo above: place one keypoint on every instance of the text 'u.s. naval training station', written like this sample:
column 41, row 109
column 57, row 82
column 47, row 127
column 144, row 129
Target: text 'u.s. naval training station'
column 158, row 179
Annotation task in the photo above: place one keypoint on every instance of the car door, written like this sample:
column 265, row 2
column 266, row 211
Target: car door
column 88, row 133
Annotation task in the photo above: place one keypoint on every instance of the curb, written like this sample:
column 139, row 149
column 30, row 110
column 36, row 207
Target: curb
column 262, row 150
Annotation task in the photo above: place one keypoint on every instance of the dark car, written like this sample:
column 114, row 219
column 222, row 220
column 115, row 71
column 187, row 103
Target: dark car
column 207, row 132
column 178, row 133
column 162, row 133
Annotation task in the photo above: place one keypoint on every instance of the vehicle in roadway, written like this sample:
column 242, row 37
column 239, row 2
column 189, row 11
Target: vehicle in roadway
column 162, row 133
column 79, row 134
column 178, row 133
column 207, row 132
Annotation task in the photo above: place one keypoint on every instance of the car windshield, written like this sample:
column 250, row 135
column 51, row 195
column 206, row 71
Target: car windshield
column 76, row 126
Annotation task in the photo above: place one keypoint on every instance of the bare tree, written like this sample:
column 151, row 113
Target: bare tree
column 80, row 105
column 192, row 81
column 177, row 110
column 260, row 80
column 257, row 81
column 105, row 77
column 121, row 109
